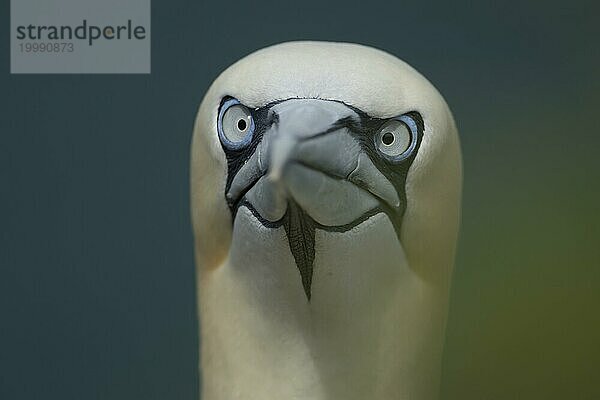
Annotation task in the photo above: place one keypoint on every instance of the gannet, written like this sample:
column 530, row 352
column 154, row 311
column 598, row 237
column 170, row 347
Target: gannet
column 325, row 200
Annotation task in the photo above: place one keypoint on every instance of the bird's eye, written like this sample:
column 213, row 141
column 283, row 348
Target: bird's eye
column 235, row 125
column 397, row 138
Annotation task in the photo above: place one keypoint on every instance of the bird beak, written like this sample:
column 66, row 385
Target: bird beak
column 311, row 157
column 311, row 171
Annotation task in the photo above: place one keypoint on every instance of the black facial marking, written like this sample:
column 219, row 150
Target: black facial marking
column 300, row 228
column 237, row 158
column 396, row 173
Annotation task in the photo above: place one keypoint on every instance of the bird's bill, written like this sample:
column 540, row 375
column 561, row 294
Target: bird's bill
column 311, row 157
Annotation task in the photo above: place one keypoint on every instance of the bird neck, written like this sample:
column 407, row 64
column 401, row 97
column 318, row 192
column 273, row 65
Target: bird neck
column 372, row 329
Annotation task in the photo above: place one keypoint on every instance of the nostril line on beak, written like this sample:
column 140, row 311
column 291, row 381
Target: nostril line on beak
column 367, row 176
column 280, row 151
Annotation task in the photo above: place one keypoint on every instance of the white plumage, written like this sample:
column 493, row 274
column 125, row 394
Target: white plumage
column 373, row 328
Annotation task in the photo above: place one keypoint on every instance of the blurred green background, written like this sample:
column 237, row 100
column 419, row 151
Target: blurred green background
column 97, row 289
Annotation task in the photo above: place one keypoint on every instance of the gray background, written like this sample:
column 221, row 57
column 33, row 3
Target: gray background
column 96, row 266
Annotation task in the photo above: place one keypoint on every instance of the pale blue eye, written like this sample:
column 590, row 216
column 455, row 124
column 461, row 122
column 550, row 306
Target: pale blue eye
column 235, row 125
column 397, row 138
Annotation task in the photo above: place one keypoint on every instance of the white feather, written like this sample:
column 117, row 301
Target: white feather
column 375, row 325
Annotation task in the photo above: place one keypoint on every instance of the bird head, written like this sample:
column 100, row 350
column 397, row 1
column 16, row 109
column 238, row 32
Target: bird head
column 323, row 137
column 325, row 182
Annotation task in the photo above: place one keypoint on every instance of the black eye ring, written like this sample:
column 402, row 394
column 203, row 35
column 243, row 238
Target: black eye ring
column 241, row 131
column 388, row 136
